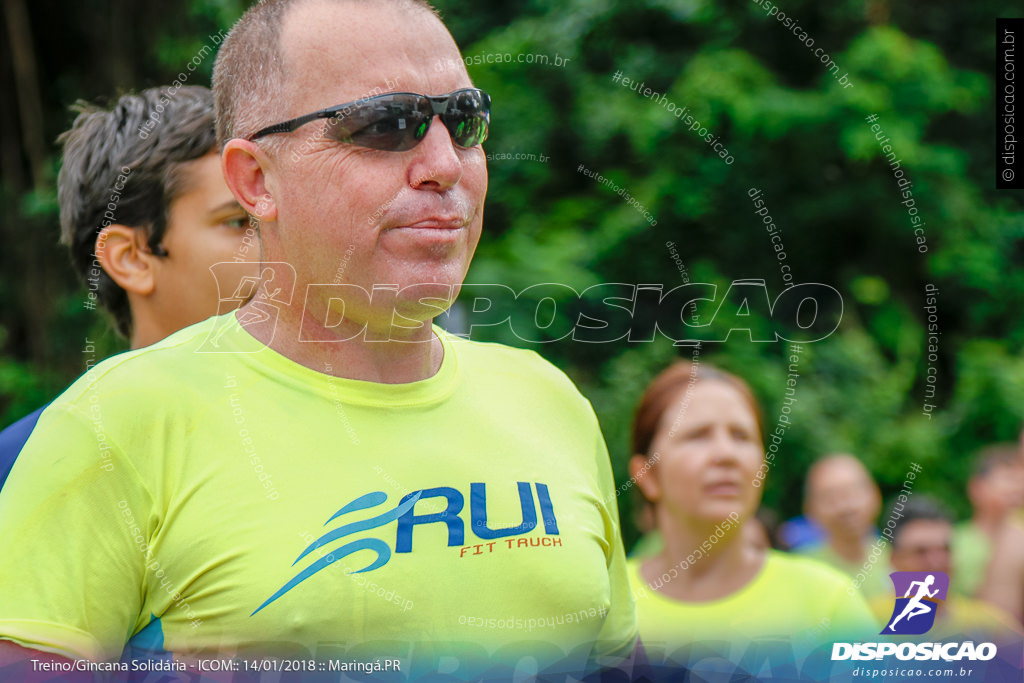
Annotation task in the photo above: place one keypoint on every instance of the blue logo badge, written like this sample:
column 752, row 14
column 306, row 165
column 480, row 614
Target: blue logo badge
column 407, row 520
column 914, row 612
column 383, row 551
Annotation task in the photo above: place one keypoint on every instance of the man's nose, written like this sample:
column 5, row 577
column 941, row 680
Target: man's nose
column 436, row 165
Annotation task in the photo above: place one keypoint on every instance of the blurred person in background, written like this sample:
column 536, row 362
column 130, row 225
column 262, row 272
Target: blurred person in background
column 762, row 530
column 843, row 499
column 799, row 532
column 145, row 214
column 701, row 446
column 1004, row 580
column 922, row 542
column 995, row 489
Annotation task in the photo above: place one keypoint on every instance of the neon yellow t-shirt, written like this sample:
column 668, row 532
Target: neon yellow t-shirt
column 873, row 582
column 972, row 551
column 199, row 501
column 791, row 599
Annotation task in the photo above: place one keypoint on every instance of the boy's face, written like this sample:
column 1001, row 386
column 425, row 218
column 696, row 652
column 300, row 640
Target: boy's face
column 205, row 226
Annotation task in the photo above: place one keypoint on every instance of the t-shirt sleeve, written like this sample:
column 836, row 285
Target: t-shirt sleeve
column 618, row 638
column 75, row 522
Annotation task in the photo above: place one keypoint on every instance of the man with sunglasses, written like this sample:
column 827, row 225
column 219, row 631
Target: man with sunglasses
column 326, row 475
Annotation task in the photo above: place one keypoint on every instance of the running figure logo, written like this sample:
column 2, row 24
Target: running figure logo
column 914, row 613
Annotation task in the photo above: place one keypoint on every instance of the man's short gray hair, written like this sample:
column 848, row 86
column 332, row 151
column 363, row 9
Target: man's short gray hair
column 248, row 76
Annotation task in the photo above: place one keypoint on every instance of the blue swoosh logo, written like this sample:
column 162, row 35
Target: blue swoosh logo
column 363, row 502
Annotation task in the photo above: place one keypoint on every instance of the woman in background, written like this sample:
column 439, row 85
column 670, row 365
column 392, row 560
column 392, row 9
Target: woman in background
column 699, row 460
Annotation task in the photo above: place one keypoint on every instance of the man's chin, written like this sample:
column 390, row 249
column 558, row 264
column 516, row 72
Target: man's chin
column 427, row 303
column 426, row 286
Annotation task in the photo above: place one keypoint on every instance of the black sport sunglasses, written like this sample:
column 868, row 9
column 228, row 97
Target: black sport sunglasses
column 396, row 122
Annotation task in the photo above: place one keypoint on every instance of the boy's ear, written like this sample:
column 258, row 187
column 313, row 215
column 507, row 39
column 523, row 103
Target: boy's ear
column 126, row 257
column 243, row 164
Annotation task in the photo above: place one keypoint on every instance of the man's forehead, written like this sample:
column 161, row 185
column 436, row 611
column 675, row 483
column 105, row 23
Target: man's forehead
column 336, row 52
column 839, row 472
column 925, row 532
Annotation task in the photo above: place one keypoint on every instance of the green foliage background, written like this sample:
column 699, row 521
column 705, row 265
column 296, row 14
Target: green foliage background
column 926, row 70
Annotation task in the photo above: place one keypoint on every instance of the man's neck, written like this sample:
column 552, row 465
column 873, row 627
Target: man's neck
column 989, row 522
column 849, row 548
column 349, row 350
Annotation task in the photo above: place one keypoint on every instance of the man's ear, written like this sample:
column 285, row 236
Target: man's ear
column 641, row 470
column 125, row 256
column 242, row 163
column 876, row 500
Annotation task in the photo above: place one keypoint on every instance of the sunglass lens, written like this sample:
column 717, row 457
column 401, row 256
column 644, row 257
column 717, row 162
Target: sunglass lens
column 468, row 117
column 390, row 125
column 398, row 123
